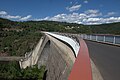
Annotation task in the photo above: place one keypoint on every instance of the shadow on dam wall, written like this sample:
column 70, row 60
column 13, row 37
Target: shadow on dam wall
column 56, row 66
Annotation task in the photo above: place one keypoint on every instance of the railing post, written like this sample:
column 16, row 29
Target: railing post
column 90, row 37
column 114, row 40
column 96, row 37
column 104, row 39
column 85, row 36
column 81, row 36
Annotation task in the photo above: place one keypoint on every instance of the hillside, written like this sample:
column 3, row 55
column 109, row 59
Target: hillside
column 16, row 40
column 20, row 37
column 112, row 28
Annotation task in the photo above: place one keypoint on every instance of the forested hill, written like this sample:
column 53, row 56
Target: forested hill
column 112, row 28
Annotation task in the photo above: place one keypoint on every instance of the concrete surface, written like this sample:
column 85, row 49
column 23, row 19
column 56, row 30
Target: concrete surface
column 96, row 75
column 33, row 55
column 106, row 58
column 55, row 56
column 11, row 58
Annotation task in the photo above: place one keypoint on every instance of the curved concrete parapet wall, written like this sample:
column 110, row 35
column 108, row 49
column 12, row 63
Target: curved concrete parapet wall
column 68, row 40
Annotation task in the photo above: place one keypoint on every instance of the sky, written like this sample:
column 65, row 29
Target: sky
column 88, row 12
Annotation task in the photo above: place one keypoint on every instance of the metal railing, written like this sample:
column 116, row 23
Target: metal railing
column 111, row 39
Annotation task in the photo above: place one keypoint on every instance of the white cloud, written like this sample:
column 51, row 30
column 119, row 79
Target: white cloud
column 101, row 20
column 46, row 18
column 86, row 1
column 3, row 13
column 71, row 18
column 89, row 17
column 74, row 8
column 25, row 18
column 93, row 13
column 110, row 14
column 12, row 17
column 112, row 19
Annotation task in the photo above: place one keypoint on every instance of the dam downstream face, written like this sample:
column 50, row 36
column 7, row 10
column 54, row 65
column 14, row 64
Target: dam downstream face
column 56, row 65
column 44, row 55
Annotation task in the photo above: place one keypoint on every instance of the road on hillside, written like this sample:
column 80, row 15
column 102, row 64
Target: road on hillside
column 106, row 58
